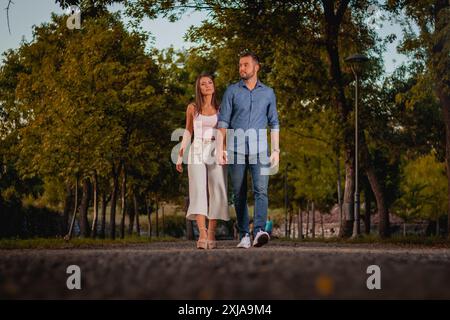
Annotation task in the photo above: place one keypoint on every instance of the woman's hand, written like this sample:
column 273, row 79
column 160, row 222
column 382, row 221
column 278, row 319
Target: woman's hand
column 222, row 158
column 179, row 165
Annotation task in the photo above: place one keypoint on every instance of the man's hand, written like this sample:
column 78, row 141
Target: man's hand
column 274, row 159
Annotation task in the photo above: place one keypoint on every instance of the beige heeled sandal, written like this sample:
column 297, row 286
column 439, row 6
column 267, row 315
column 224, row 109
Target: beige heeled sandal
column 212, row 244
column 202, row 244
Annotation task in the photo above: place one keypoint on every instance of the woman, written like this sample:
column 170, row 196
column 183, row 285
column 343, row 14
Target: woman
column 207, row 178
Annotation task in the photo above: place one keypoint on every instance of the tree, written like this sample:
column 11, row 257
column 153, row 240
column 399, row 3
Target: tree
column 424, row 190
column 409, row 205
column 299, row 43
column 431, row 47
column 88, row 117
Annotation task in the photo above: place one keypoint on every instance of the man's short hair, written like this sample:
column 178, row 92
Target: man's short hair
column 248, row 53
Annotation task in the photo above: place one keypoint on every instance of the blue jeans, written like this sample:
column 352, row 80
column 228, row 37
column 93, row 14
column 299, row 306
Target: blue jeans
column 238, row 173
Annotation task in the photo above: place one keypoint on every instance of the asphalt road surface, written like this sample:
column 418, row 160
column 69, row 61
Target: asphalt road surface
column 279, row 270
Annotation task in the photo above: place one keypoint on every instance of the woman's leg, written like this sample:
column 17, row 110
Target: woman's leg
column 201, row 224
column 212, row 244
column 212, row 229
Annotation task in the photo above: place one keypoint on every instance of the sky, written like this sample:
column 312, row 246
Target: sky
column 26, row 13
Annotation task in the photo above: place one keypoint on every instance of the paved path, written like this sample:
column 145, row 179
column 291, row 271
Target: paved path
column 176, row 270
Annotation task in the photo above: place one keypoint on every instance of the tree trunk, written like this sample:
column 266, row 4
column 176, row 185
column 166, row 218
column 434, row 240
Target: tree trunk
column 440, row 61
column 437, row 227
column 290, row 224
column 333, row 18
column 404, row 228
column 149, row 215
column 162, row 212
column 84, row 223
column 131, row 212
column 339, row 191
column 115, row 174
column 383, row 213
column 157, row 218
column 75, row 209
column 348, row 202
column 300, row 224
column 321, row 225
column 68, row 204
column 103, row 219
column 307, row 220
column 445, row 101
column 136, row 214
column 95, row 204
column 123, row 201
column 313, row 223
column 294, row 221
column 378, row 191
column 368, row 200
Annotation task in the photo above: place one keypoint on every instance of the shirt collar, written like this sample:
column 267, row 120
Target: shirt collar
column 242, row 83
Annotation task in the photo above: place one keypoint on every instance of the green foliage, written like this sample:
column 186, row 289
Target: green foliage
column 75, row 102
column 423, row 189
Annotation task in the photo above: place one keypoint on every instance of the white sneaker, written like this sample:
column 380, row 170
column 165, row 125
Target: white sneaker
column 261, row 238
column 245, row 242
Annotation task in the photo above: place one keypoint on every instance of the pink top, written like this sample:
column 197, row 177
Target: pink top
column 205, row 126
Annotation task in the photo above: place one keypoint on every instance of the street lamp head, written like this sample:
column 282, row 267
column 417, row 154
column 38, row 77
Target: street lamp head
column 356, row 58
column 356, row 61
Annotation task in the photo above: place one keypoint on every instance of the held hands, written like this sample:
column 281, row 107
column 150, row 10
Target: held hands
column 222, row 157
column 221, row 154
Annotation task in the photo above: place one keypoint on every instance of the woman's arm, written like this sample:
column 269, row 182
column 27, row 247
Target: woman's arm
column 187, row 135
column 189, row 131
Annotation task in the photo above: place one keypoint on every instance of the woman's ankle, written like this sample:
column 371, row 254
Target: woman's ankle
column 203, row 234
column 211, row 234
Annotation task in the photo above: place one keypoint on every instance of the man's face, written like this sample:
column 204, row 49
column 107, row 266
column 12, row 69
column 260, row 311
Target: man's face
column 247, row 67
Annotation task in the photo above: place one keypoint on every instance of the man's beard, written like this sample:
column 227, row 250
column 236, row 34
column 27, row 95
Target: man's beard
column 247, row 76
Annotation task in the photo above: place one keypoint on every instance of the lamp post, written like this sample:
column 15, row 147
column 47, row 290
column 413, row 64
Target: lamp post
column 355, row 62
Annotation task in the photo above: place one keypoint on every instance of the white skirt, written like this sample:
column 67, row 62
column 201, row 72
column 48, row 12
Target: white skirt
column 207, row 183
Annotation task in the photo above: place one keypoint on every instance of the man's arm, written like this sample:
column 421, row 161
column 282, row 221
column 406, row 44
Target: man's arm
column 274, row 125
column 222, row 138
column 275, row 140
column 223, row 123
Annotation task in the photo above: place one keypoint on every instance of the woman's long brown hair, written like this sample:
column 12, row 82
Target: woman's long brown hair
column 199, row 101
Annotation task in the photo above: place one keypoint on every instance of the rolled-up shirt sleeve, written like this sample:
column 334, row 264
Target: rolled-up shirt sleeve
column 272, row 114
column 226, row 106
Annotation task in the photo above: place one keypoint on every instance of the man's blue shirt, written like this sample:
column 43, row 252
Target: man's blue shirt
column 243, row 109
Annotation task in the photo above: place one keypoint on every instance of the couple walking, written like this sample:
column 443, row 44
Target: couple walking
column 230, row 137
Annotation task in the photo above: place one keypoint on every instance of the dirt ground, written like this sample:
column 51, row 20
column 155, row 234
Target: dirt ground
column 279, row 270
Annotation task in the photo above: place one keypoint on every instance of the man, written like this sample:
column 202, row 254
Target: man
column 247, row 108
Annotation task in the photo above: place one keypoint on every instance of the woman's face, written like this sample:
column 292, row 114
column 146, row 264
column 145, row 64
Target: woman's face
column 206, row 86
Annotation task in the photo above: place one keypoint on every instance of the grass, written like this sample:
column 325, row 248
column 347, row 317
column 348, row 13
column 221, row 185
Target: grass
column 77, row 243
column 80, row 243
column 432, row 241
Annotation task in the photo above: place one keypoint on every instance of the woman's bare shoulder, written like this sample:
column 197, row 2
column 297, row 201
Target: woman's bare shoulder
column 190, row 108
